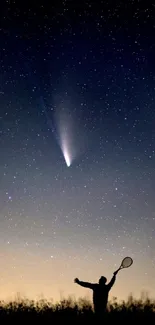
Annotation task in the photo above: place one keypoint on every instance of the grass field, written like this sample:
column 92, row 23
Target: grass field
column 71, row 311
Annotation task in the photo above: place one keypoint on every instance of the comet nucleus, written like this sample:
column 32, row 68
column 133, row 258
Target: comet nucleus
column 67, row 158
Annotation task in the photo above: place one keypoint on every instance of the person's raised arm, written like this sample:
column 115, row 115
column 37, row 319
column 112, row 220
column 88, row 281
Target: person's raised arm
column 84, row 284
column 111, row 283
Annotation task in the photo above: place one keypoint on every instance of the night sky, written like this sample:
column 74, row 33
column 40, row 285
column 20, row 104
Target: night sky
column 77, row 87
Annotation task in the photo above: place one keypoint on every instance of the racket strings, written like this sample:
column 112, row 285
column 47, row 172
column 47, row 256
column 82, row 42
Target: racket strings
column 127, row 261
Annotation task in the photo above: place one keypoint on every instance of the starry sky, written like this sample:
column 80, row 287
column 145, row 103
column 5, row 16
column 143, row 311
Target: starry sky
column 77, row 80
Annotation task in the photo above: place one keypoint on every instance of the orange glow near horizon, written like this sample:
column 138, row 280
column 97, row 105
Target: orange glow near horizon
column 36, row 277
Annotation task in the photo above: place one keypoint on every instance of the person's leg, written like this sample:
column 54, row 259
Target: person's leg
column 99, row 315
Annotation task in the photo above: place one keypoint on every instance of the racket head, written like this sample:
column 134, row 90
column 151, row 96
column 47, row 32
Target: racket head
column 126, row 262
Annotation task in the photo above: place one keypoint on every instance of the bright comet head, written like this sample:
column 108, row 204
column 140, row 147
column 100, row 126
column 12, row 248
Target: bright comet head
column 67, row 158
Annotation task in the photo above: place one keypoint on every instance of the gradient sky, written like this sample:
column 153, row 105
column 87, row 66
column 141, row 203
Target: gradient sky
column 80, row 76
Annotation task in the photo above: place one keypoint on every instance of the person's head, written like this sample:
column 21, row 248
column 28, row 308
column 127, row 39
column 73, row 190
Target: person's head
column 102, row 280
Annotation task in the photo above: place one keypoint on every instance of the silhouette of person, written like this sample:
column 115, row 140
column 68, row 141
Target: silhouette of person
column 100, row 293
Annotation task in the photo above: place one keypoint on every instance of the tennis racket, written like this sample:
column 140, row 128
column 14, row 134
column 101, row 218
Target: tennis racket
column 127, row 261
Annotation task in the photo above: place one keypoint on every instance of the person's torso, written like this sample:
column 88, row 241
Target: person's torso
column 100, row 295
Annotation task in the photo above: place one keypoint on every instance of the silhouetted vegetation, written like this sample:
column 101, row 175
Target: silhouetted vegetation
column 69, row 310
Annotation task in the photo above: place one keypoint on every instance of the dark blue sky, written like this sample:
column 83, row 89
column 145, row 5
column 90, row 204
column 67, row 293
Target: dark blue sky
column 87, row 67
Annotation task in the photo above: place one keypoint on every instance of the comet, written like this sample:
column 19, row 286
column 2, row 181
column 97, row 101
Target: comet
column 64, row 129
column 66, row 144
